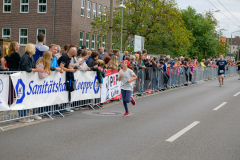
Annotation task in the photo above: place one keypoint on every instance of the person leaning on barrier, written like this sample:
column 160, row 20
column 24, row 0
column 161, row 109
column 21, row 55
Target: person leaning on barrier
column 92, row 59
column 64, row 60
column 106, row 61
column 89, row 55
column 59, row 54
column 45, row 64
column 53, row 49
column 13, row 58
column 113, row 63
column 27, row 63
column 82, row 61
column 74, row 61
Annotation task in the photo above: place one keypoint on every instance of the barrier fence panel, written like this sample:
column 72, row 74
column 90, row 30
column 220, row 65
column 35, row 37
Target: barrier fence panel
column 147, row 81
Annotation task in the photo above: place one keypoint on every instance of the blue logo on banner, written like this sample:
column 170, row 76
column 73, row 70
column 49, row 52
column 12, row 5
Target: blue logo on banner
column 20, row 90
column 1, row 86
column 96, row 85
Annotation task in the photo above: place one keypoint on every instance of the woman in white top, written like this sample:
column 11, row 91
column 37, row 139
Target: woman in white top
column 126, row 76
column 82, row 60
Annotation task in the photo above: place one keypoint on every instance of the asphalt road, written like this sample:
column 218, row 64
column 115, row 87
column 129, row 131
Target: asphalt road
column 199, row 122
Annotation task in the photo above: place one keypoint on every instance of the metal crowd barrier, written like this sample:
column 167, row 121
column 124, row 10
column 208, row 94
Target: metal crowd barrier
column 148, row 81
column 47, row 111
column 174, row 77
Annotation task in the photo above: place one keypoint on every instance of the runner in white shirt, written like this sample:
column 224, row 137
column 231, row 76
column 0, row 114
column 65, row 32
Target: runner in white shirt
column 126, row 76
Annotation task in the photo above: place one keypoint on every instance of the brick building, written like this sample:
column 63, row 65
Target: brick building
column 62, row 21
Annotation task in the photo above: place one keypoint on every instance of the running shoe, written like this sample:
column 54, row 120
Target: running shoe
column 126, row 114
column 220, row 85
column 133, row 101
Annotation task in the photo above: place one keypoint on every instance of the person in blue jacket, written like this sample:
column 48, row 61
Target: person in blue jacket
column 40, row 47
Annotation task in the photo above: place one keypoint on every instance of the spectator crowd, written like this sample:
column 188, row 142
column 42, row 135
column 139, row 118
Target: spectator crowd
column 46, row 59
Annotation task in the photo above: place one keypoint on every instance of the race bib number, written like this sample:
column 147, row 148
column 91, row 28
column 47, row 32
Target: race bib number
column 221, row 71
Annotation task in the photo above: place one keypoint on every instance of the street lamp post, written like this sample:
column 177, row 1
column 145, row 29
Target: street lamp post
column 123, row 7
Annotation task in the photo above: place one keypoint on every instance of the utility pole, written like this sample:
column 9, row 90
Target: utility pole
column 231, row 44
column 238, row 54
column 110, row 26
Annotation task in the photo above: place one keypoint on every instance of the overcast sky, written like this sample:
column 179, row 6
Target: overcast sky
column 233, row 6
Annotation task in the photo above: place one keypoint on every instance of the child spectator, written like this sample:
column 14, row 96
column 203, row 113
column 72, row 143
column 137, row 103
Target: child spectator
column 45, row 63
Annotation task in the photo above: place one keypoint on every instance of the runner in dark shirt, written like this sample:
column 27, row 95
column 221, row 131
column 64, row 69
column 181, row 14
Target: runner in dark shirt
column 221, row 65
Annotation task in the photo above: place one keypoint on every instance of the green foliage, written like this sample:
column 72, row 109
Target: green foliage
column 202, row 26
column 159, row 22
column 166, row 29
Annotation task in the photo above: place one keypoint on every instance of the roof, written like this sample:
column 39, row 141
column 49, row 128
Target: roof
column 235, row 41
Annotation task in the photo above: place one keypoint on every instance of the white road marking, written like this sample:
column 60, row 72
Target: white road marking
column 235, row 95
column 180, row 133
column 220, row 106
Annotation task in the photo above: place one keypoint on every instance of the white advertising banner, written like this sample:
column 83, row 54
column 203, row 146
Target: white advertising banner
column 87, row 86
column 33, row 92
column 4, row 89
column 138, row 43
column 111, row 86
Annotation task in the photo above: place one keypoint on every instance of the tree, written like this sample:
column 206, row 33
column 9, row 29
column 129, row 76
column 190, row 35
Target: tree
column 223, row 47
column 160, row 22
column 202, row 26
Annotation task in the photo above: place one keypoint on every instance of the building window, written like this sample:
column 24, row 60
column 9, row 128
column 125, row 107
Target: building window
column 82, row 7
column 81, row 39
column 42, row 6
column 99, row 11
column 87, row 40
column 105, row 12
column 6, row 33
column 93, row 41
column 89, row 9
column 103, row 41
column 43, row 31
column 98, row 42
column 23, row 36
column 24, row 6
column 7, row 6
column 94, row 10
